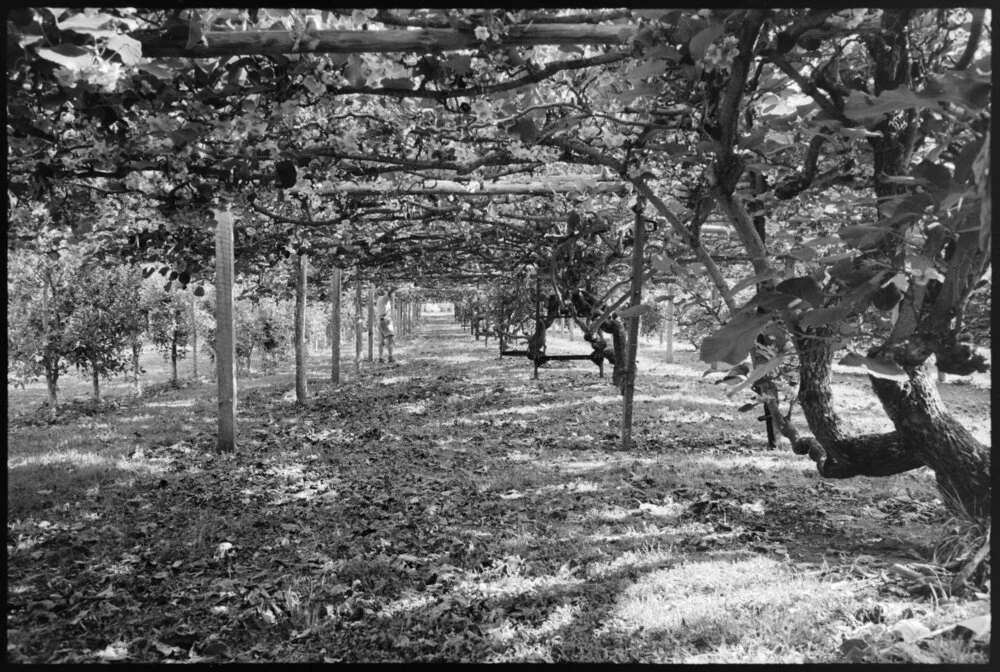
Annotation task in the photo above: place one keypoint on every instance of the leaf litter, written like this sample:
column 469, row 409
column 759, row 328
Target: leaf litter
column 453, row 512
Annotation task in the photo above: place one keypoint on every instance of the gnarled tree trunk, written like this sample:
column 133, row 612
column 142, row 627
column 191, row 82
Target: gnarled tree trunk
column 925, row 434
column 52, row 385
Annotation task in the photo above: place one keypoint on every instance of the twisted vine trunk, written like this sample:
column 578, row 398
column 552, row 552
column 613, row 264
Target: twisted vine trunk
column 925, row 434
column 52, row 384
column 961, row 463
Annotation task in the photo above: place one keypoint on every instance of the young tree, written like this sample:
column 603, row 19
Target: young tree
column 273, row 330
column 38, row 311
column 104, row 324
column 169, row 323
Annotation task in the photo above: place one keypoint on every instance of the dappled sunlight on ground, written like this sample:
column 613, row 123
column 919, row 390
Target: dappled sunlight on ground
column 451, row 359
column 613, row 528
column 521, row 636
column 694, row 594
column 409, row 601
column 506, row 580
column 579, row 466
column 179, row 403
column 80, row 460
column 651, row 554
column 448, row 508
column 580, row 486
column 530, row 410
column 721, row 462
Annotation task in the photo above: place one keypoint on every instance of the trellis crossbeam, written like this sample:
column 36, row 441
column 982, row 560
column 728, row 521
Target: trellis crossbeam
column 427, row 40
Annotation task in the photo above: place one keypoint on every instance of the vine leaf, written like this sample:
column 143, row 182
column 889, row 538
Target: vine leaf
column 758, row 373
column 821, row 316
column 863, row 236
column 525, row 129
column 635, row 311
column 804, row 288
column 731, row 344
column 880, row 368
column 67, row 55
column 129, row 49
column 769, row 274
column 699, row 43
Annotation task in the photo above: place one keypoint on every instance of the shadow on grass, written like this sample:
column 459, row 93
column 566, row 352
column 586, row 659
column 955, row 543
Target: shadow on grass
column 455, row 511
column 52, row 466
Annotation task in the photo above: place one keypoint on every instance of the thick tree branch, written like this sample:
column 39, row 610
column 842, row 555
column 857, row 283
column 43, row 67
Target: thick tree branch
column 811, row 90
column 561, row 185
column 498, row 158
column 795, row 184
column 975, row 33
column 745, row 229
column 596, row 156
column 732, row 98
column 685, row 235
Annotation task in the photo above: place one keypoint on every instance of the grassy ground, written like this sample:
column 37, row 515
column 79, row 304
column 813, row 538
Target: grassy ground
column 451, row 508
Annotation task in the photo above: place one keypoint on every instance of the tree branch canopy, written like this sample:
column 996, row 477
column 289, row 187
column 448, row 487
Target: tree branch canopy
column 562, row 185
column 237, row 43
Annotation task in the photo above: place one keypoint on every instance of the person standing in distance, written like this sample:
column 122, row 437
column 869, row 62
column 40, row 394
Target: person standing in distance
column 386, row 330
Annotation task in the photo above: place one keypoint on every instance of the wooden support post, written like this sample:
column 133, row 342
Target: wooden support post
column 194, row 337
column 538, row 313
column 757, row 358
column 359, row 323
column 716, row 366
column 51, row 372
column 301, row 367
column 628, row 380
column 669, row 329
column 371, row 322
column 225, row 344
column 503, row 326
column 335, row 327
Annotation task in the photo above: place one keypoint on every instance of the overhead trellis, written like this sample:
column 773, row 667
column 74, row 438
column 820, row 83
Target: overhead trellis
column 208, row 44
